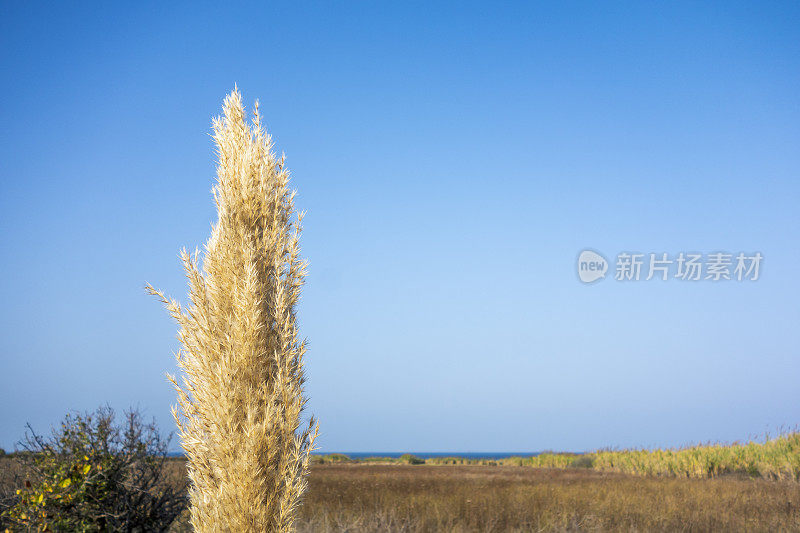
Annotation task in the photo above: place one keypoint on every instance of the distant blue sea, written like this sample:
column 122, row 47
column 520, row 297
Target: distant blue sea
column 429, row 455
column 423, row 455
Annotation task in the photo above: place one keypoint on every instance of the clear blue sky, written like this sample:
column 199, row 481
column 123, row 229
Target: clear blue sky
column 453, row 161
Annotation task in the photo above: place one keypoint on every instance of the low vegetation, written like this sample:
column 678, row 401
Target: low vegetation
column 776, row 459
column 92, row 475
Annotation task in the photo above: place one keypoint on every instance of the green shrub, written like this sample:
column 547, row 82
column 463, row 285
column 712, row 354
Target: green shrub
column 582, row 461
column 447, row 461
column 376, row 459
column 330, row 458
column 92, row 475
column 407, row 458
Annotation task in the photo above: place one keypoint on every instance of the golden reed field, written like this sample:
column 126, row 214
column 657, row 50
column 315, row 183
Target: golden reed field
column 417, row 498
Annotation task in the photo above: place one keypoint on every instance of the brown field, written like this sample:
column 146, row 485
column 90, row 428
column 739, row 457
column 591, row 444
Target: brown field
column 360, row 498
column 424, row 498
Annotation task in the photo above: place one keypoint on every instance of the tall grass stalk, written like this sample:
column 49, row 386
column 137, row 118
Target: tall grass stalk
column 240, row 398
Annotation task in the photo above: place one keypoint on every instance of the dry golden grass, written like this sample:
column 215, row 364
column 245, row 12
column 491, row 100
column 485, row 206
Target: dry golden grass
column 777, row 458
column 241, row 395
column 420, row 498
